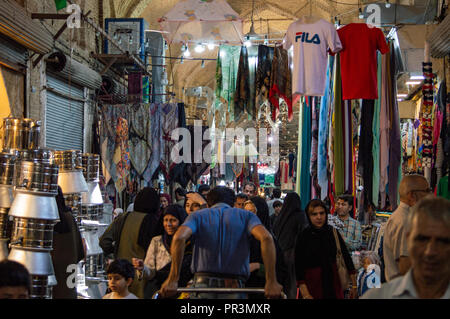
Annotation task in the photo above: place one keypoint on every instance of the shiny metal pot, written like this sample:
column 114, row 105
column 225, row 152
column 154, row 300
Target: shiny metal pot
column 31, row 130
column 38, row 263
column 7, row 168
column 40, row 288
column 6, row 196
column 13, row 133
column 5, row 228
column 72, row 182
column 34, row 205
column 38, row 176
column 91, row 212
column 32, row 233
column 68, row 160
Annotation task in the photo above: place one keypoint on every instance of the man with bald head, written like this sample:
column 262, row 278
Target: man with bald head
column 395, row 249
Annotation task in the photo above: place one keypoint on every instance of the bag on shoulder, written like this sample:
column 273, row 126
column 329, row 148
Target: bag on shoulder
column 341, row 267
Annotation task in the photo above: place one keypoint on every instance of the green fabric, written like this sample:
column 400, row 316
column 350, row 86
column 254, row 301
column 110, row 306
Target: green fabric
column 339, row 169
column 60, row 4
column 299, row 149
column 226, row 75
column 376, row 138
column 305, row 172
column 442, row 189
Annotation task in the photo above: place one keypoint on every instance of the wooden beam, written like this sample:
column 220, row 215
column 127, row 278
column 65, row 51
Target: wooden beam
column 50, row 16
column 110, row 63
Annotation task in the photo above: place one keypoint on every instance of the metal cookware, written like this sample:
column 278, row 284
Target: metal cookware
column 32, row 233
column 7, row 168
column 34, row 205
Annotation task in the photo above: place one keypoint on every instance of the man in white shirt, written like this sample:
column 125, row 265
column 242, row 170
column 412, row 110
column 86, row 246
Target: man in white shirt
column 428, row 235
column 395, row 250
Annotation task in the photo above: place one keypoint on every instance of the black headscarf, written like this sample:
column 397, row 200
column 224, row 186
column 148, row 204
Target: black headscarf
column 262, row 211
column 179, row 213
column 290, row 221
column 147, row 202
column 316, row 247
column 63, row 226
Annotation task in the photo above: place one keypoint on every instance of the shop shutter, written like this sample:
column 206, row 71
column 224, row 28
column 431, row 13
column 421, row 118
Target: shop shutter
column 64, row 115
column 11, row 53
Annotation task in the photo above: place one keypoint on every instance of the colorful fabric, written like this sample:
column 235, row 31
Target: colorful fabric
column 305, row 176
column 242, row 100
column 226, row 76
column 376, row 137
column 263, row 75
column 122, row 155
column 339, row 160
column 280, row 83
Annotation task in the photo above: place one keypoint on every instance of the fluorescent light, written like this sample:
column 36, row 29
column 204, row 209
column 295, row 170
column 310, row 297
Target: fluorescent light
column 399, row 100
column 402, row 95
column 417, row 77
column 412, row 82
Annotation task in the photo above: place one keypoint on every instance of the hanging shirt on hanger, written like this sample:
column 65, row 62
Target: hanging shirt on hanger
column 359, row 60
column 311, row 42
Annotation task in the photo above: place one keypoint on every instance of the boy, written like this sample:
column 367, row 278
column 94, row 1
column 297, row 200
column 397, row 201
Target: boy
column 14, row 280
column 120, row 276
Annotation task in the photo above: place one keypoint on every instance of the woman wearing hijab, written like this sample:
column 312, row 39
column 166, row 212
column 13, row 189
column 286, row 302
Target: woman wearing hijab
column 257, row 279
column 156, row 265
column 288, row 224
column 130, row 234
column 315, row 257
column 68, row 249
column 165, row 200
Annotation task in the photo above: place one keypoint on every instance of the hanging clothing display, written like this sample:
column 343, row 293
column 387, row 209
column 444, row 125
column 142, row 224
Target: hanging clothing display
column 280, row 83
column 306, row 136
column 394, row 136
column 226, row 75
column 139, row 143
column 242, row 99
column 169, row 122
column 263, row 75
column 157, row 143
column 122, row 154
column 338, row 139
column 311, row 42
column 322, row 175
column 358, row 60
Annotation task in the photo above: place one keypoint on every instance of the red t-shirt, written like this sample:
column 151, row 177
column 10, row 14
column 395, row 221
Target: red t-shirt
column 359, row 60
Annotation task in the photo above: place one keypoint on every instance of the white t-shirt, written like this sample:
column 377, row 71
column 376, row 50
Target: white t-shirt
column 129, row 296
column 311, row 42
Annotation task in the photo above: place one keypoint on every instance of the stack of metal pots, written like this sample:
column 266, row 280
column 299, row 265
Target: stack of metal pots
column 7, row 165
column 71, row 179
column 34, row 210
column 92, row 210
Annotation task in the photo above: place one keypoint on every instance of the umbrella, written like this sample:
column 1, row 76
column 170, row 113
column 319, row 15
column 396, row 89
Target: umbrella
column 202, row 22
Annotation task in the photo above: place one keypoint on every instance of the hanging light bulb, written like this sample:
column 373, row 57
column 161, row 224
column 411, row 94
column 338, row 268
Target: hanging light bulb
column 247, row 42
column 147, row 44
column 211, row 46
column 203, row 64
column 387, row 5
column 182, row 60
column 131, row 40
column 115, row 36
column 361, row 15
column 120, row 40
column 266, row 40
column 187, row 53
column 199, row 48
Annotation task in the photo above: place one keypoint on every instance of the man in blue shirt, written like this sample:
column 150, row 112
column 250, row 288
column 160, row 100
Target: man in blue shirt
column 221, row 253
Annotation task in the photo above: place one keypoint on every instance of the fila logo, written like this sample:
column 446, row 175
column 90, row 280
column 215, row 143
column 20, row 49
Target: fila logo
column 304, row 37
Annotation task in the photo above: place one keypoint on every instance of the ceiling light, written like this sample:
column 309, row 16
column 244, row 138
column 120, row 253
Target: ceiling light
column 199, row 48
column 388, row 5
column 247, row 42
column 361, row 15
column 211, row 46
column 266, row 40
column 402, row 95
column 399, row 100
column 417, row 77
column 203, row 63
column 412, row 82
column 187, row 53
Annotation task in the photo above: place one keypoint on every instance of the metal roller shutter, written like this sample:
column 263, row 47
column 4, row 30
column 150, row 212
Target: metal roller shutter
column 64, row 116
column 12, row 55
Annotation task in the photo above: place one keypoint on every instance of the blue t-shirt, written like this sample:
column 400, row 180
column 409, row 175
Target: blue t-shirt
column 221, row 237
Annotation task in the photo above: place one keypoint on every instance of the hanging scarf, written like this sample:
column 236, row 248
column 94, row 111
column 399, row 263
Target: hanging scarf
column 280, row 83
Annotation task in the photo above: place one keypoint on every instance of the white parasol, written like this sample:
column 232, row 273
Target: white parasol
column 202, row 22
